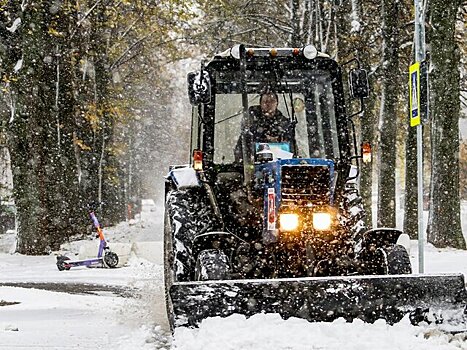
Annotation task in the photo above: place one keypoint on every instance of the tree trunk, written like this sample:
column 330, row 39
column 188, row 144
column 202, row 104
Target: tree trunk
column 388, row 116
column 369, row 118
column 110, row 179
column 444, row 225
column 40, row 133
column 295, row 39
column 366, row 172
column 71, row 210
column 29, row 131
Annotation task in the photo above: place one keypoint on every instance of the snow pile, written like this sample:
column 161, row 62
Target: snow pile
column 266, row 332
column 8, row 242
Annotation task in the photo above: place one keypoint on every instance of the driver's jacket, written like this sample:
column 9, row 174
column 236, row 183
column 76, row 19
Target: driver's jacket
column 265, row 129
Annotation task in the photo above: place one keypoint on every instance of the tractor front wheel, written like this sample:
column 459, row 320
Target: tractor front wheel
column 392, row 260
column 211, row 264
column 398, row 261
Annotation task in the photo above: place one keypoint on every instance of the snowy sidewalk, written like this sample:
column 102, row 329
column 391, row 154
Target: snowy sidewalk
column 85, row 308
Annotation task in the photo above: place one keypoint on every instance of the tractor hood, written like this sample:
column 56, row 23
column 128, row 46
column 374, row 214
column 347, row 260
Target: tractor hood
column 297, row 182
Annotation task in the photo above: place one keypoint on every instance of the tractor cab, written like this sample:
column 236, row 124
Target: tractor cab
column 310, row 94
column 301, row 165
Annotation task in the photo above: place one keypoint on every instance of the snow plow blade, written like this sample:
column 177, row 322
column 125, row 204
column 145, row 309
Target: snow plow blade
column 320, row 298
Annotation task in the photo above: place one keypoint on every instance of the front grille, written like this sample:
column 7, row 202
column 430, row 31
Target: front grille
column 305, row 184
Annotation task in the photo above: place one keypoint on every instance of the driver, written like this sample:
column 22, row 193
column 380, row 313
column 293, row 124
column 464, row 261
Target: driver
column 268, row 124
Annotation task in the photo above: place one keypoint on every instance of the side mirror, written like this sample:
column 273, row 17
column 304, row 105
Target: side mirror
column 199, row 87
column 359, row 87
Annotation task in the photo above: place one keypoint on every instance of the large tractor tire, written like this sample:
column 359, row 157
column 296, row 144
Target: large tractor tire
column 168, row 268
column 391, row 260
column 188, row 214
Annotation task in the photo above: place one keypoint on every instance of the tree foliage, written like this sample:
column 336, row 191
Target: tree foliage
column 86, row 85
column 66, row 67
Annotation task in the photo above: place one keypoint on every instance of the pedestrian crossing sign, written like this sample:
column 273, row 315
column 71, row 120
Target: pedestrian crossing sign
column 414, row 94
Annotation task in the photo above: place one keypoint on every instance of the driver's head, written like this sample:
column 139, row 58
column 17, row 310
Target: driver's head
column 268, row 103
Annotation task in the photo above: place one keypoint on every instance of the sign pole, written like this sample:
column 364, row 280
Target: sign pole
column 419, row 57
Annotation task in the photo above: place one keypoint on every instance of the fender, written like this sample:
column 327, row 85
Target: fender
column 380, row 237
column 184, row 177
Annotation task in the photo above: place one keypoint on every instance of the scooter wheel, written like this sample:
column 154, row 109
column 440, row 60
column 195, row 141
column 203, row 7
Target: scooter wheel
column 111, row 259
column 61, row 263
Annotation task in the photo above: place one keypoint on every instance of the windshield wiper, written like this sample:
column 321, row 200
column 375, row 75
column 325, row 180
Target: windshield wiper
column 236, row 114
column 232, row 116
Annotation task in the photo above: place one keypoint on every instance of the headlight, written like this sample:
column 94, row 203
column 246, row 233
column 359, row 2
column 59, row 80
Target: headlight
column 235, row 52
column 310, row 52
column 289, row 222
column 321, row 221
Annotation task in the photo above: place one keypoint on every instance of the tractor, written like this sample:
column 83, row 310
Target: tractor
column 277, row 226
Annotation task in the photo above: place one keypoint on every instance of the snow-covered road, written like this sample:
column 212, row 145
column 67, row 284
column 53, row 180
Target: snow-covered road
column 71, row 309
column 85, row 308
column 266, row 332
column 107, row 318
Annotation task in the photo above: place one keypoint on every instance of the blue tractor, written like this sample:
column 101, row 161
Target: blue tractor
column 277, row 227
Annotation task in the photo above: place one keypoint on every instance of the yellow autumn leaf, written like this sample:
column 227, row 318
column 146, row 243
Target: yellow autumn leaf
column 82, row 145
column 92, row 117
column 56, row 33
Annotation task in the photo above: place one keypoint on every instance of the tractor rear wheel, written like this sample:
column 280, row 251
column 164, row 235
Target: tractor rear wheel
column 352, row 214
column 168, row 268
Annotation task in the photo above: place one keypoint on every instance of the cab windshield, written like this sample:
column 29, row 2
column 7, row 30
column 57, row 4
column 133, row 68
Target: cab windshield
column 307, row 103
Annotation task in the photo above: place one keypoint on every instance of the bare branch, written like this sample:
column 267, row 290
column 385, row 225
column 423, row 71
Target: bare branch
column 136, row 46
column 271, row 21
column 328, row 30
column 88, row 13
column 246, row 31
column 126, row 31
column 128, row 50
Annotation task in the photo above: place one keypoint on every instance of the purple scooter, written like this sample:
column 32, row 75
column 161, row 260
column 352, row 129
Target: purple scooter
column 109, row 259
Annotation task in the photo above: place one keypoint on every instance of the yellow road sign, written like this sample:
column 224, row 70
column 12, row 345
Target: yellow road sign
column 414, row 94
